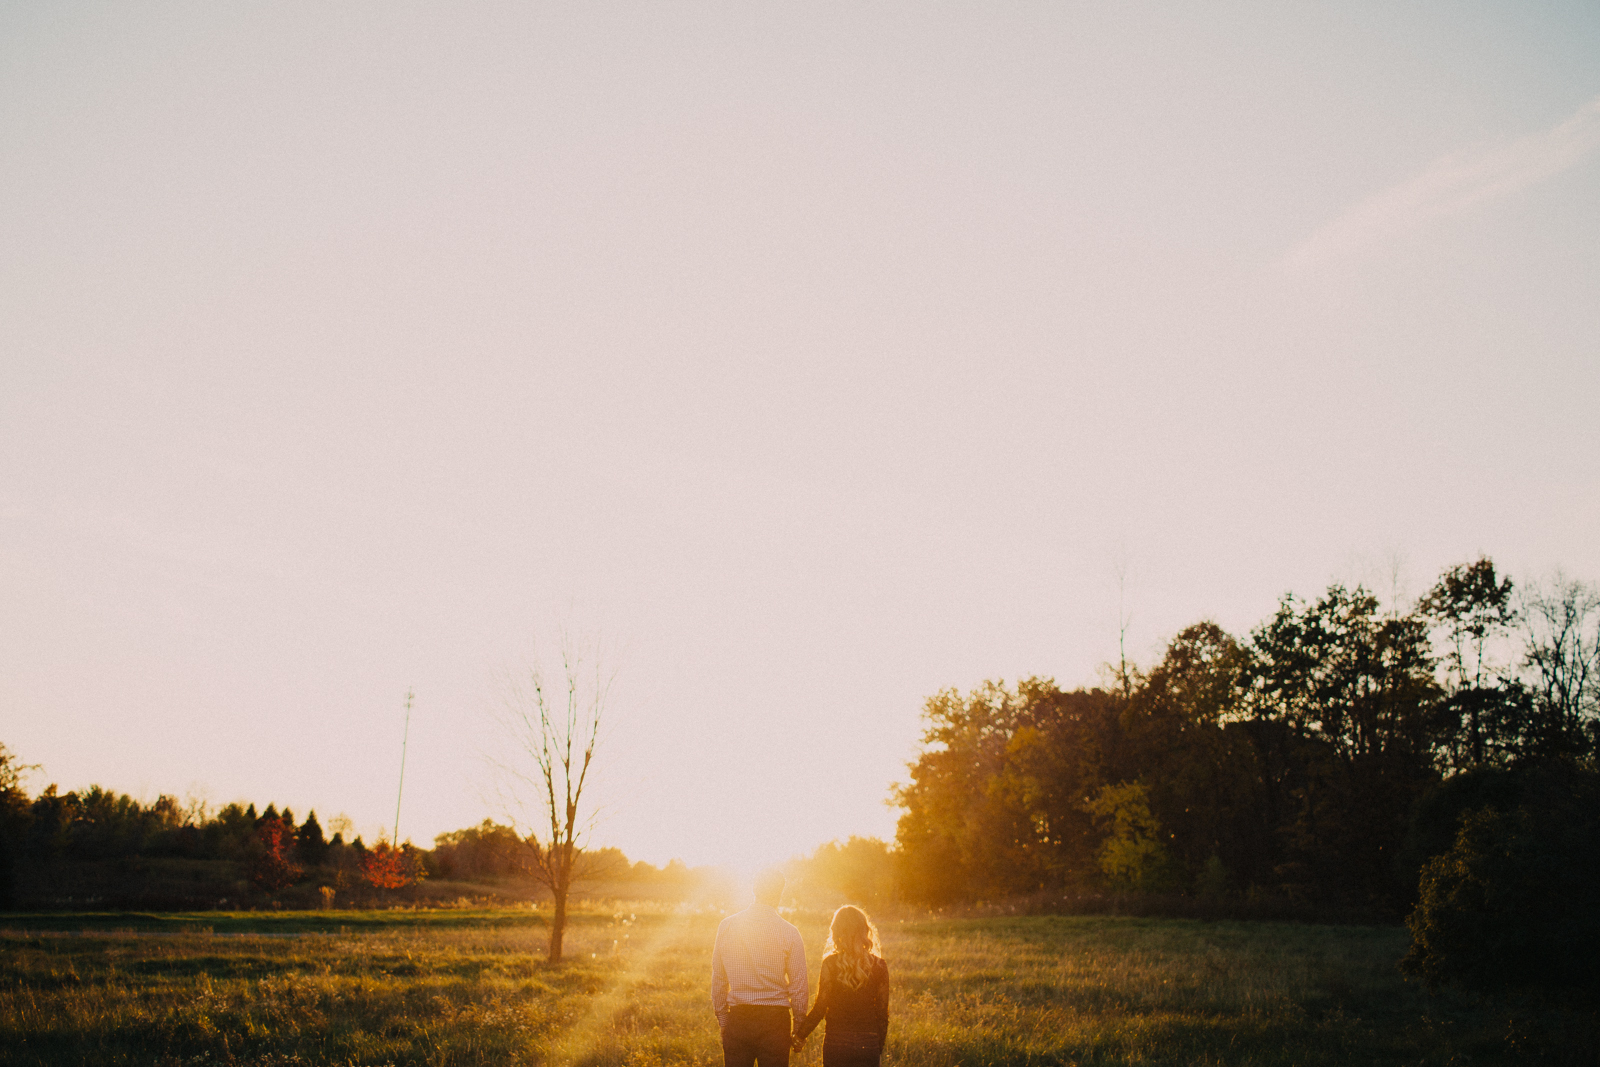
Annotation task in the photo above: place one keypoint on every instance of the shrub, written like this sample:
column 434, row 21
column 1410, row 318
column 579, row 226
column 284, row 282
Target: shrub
column 1516, row 900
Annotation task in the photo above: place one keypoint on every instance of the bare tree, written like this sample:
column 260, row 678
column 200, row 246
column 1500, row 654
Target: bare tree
column 553, row 738
column 1562, row 659
column 1124, row 678
column 12, row 772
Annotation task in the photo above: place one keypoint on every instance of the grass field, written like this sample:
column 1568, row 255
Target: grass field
column 471, row 987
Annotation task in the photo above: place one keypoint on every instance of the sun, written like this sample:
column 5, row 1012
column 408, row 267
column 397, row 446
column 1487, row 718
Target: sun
column 750, row 858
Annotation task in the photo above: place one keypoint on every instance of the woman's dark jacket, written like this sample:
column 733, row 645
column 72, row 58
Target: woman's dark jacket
column 856, row 1017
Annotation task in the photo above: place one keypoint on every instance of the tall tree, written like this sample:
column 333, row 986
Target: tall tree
column 945, row 844
column 553, row 738
column 1474, row 606
column 995, row 805
column 1358, row 686
column 1343, row 672
column 1186, row 741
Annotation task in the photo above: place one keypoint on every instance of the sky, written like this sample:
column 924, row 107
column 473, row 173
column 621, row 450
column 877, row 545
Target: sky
column 804, row 359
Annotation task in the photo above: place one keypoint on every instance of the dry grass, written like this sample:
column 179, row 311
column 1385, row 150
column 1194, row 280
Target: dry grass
column 471, row 987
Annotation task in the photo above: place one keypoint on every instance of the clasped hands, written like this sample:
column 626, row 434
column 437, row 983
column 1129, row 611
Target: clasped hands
column 796, row 1043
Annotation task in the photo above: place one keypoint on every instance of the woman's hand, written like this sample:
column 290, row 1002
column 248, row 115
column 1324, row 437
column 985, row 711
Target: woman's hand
column 797, row 1043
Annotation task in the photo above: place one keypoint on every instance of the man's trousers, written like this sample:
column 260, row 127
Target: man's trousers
column 756, row 1034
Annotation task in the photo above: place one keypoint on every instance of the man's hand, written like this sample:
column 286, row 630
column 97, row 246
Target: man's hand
column 797, row 1043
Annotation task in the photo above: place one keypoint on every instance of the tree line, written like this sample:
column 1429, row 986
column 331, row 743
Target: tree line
column 99, row 845
column 1323, row 759
column 1437, row 758
column 69, row 846
column 494, row 852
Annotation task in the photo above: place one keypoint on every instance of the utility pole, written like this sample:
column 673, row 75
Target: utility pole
column 404, row 739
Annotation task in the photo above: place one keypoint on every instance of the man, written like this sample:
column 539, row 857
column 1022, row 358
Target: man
column 758, row 980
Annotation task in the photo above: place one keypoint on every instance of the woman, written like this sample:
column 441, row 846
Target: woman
column 853, row 994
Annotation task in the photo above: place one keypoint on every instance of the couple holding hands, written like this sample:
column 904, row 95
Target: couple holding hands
column 758, row 983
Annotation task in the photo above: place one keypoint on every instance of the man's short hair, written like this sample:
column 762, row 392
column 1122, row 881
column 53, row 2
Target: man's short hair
column 769, row 886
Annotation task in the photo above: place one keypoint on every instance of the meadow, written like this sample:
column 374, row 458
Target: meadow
column 467, row 986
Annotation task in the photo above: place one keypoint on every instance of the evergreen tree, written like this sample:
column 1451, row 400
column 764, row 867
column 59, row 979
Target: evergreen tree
column 313, row 848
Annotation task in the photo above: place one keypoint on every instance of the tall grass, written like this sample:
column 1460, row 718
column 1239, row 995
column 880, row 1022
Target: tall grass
column 472, row 988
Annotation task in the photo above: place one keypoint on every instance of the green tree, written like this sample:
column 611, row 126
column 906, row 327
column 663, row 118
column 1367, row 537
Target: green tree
column 51, row 818
column 229, row 834
column 109, row 825
column 942, row 843
column 1356, row 688
column 994, row 806
column 1185, row 736
column 1134, row 855
column 1068, row 745
column 1342, row 672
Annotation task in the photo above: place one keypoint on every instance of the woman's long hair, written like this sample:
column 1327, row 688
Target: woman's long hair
column 854, row 940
